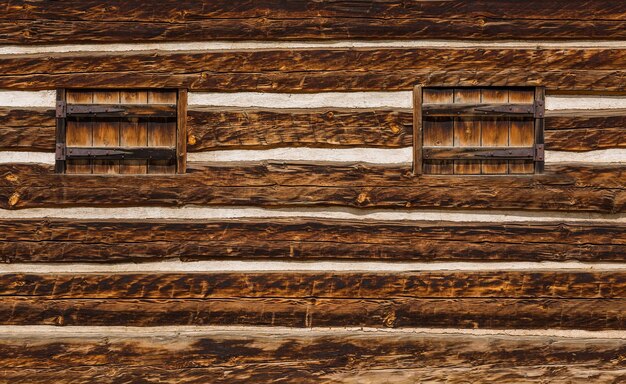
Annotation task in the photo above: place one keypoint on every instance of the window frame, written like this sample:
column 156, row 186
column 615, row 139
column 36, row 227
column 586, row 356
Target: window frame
column 537, row 152
column 63, row 110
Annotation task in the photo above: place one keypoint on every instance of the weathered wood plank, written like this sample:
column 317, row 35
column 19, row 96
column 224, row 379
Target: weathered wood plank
column 92, row 21
column 316, row 349
column 336, row 285
column 495, row 313
column 315, row 70
column 227, row 128
column 575, row 187
column 315, row 356
column 297, row 373
column 211, row 128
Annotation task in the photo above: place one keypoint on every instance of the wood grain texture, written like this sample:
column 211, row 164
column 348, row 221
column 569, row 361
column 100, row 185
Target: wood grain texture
column 32, row 129
column 316, row 70
column 394, row 300
column 59, row 240
column 337, row 285
column 91, row 21
column 492, row 313
column 573, row 187
column 318, row 356
column 248, row 128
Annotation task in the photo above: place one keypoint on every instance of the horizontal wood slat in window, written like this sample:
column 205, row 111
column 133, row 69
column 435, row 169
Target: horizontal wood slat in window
column 310, row 306
column 284, row 355
column 318, row 70
column 91, row 21
column 66, row 240
column 575, row 187
column 32, row 129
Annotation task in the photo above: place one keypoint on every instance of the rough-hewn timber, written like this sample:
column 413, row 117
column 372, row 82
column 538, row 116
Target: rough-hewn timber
column 59, row 240
column 315, row 70
column 493, row 313
column 337, row 285
column 575, row 187
column 250, row 128
column 92, row 21
column 317, row 356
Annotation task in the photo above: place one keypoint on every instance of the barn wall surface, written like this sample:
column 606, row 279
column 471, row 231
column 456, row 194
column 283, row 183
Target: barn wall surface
column 299, row 245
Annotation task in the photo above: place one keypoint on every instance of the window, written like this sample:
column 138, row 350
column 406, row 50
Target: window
column 121, row 131
column 478, row 130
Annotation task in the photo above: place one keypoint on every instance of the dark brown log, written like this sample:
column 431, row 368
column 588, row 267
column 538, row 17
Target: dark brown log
column 92, row 21
column 315, row 356
column 297, row 373
column 61, row 240
column 495, row 313
column 315, row 70
column 223, row 128
column 30, row 129
column 576, row 187
column 249, row 128
column 317, row 349
column 585, row 139
column 320, row 285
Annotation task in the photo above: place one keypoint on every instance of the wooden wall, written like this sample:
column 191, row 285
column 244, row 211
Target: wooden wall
column 299, row 246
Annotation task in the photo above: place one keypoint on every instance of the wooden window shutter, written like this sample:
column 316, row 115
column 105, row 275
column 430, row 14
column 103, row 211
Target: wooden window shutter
column 478, row 130
column 121, row 131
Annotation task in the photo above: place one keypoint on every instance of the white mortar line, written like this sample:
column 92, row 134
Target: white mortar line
column 28, row 98
column 368, row 155
column 256, row 45
column 400, row 99
column 246, row 212
column 53, row 332
column 174, row 266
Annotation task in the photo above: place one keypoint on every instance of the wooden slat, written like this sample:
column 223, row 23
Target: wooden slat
column 576, row 187
column 315, row 70
column 438, row 131
column 133, row 133
column 522, row 132
column 32, row 129
column 467, row 131
column 117, row 110
column 106, row 133
column 79, row 133
column 162, row 132
column 91, row 21
column 495, row 131
column 338, row 356
column 418, row 131
column 59, row 240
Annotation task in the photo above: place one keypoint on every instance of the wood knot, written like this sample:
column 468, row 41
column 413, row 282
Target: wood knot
column 191, row 140
column 395, row 129
column 390, row 319
column 362, row 197
column 11, row 178
column 330, row 114
column 13, row 199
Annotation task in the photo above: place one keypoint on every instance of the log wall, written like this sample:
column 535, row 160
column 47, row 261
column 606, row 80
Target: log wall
column 299, row 246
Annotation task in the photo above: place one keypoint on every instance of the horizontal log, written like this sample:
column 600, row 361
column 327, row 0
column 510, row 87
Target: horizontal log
column 248, row 128
column 319, row 285
column 300, row 372
column 317, row 70
column 92, row 21
column 211, row 128
column 576, row 187
column 491, row 313
column 59, row 240
column 315, row 356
